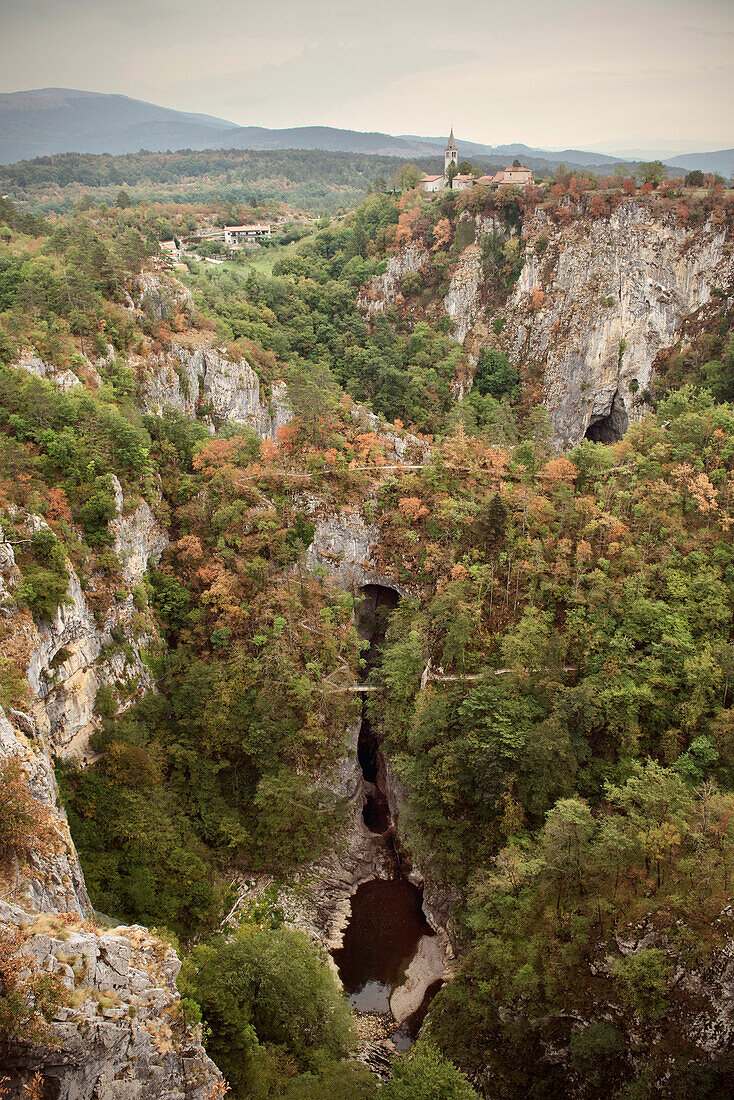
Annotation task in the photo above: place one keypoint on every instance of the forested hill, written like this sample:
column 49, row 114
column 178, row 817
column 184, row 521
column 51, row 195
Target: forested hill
column 312, row 180
column 308, row 180
column 511, row 411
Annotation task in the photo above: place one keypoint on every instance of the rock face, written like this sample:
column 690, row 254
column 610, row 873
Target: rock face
column 48, row 883
column 383, row 289
column 118, row 1031
column 462, row 303
column 596, row 302
column 159, row 296
column 121, row 1034
column 74, row 655
column 599, row 302
column 205, row 382
column 139, row 539
column 343, row 546
column 65, row 379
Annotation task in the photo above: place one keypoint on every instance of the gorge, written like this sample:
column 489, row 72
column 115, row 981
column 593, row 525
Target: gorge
column 440, row 711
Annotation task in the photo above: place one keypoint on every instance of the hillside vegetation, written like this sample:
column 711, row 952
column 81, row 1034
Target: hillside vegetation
column 554, row 689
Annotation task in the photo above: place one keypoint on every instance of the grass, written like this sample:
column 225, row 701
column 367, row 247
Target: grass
column 261, row 260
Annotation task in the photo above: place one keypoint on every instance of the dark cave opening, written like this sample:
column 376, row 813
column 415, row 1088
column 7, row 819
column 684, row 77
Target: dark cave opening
column 378, row 601
column 611, row 427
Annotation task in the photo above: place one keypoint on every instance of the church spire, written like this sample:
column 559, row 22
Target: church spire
column 451, row 156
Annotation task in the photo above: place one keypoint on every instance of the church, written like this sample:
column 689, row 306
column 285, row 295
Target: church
column 516, row 175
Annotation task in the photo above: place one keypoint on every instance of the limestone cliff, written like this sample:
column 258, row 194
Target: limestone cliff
column 206, row 383
column 77, row 652
column 463, row 302
column 597, row 301
column 117, row 1029
column 383, row 289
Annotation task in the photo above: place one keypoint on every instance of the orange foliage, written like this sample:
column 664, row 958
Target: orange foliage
column 57, row 507
column 598, row 206
column 213, row 456
column 268, row 450
column 537, row 298
column 412, row 508
column 560, row 470
column 442, row 234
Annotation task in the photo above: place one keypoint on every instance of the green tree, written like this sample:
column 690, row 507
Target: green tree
column 652, row 171
column 266, row 986
column 495, row 374
column 424, row 1074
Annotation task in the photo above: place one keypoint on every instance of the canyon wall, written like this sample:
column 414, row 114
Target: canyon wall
column 597, row 301
column 118, row 1030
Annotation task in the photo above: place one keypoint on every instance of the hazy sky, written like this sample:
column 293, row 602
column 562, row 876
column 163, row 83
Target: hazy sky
column 560, row 73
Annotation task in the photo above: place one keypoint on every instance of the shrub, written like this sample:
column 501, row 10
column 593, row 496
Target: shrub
column 495, row 374
column 105, row 702
column 95, row 515
column 29, row 997
column 43, row 590
column 25, row 823
column 266, row 987
column 423, row 1074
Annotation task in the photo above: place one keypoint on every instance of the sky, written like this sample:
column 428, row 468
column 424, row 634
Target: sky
column 618, row 75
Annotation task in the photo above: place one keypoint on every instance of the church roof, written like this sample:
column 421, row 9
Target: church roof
column 451, row 144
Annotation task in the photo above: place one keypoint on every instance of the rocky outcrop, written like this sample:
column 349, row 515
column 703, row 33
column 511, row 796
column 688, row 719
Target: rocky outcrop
column 345, row 546
column 462, row 303
column 205, row 383
column 160, row 296
column 72, row 658
column 30, row 363
column 383, row 289
column 597, row 301
column 76, row 653
column 139, row 538
column 118, row 1031
column 50, row 880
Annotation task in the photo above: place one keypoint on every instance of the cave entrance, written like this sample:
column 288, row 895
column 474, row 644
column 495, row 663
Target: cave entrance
column 373, row 612
column 609, row 427
column 377, row 603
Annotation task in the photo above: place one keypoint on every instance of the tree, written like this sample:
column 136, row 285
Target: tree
column 407, row 177
column 495, row 374
column 466, row 168
column 451, row 172
column 266, row 986
column 652, row 172
column 424, row 1074
column 695, row 178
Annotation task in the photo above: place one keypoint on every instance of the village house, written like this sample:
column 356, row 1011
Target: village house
column 462, row 183
column 241, row 234
column 432, row 183
column 516, row 175
column 235, row 235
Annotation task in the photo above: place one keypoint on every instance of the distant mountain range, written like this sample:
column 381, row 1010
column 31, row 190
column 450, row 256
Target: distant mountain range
column 63, row 120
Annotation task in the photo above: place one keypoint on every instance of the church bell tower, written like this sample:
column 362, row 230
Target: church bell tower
column 451, row 156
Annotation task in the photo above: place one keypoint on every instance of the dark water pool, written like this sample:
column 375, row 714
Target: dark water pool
column 380, row 940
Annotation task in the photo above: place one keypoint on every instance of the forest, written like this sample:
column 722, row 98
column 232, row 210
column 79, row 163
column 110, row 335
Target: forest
column 553, row 691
